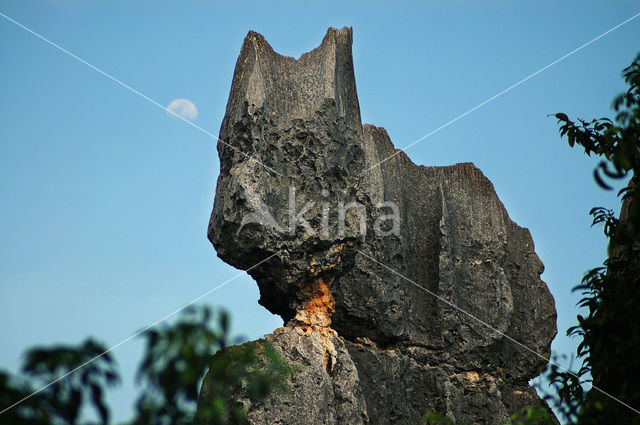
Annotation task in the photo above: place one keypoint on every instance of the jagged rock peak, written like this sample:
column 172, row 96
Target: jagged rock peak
column 296, row 88
column 364, row 247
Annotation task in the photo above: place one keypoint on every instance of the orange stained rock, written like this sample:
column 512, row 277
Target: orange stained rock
column 315, row 318
column 473, row 376
column 317, row 311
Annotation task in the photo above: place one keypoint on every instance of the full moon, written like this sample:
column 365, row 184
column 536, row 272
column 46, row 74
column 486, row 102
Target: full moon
column 184, row 108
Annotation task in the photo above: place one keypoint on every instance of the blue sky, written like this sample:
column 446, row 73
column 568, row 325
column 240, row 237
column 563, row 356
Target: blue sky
column 106, row 198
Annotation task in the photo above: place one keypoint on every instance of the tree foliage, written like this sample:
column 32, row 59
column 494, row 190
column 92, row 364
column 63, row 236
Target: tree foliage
column 530, row 415
column 174, row 361
column 62, row 401
column 609, row 335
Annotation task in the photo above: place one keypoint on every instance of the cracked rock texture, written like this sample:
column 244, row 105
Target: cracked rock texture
column 422, row 306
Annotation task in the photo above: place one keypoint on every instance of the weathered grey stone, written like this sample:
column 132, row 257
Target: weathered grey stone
column 422, row 312
column 324, row 390
column 457, row 242
column 301, row 119
column 399, row 389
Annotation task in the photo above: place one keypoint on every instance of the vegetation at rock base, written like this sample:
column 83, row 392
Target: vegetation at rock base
column 530, row 415
column 175, row 359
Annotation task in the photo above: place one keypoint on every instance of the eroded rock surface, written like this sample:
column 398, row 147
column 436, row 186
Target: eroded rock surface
column 325, row 391
column 421, row 304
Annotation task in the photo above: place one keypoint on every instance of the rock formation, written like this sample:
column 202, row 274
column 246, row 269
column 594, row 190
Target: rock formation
column 402, row 287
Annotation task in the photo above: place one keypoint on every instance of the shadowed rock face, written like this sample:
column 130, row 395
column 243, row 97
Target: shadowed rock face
column 422, row 309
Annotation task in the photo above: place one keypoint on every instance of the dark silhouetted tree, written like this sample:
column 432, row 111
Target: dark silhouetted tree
column 174, row 361
column 609, row 333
